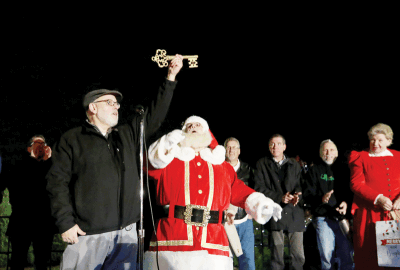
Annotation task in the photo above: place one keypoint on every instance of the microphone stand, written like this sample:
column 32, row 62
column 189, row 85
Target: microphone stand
column 141, row 230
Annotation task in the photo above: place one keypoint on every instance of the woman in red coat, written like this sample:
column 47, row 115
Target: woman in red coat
column 375, row 181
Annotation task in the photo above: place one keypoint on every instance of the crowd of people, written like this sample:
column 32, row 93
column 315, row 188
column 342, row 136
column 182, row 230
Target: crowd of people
column 91, row 195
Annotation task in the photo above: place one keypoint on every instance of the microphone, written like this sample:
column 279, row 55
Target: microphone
column 139, row 109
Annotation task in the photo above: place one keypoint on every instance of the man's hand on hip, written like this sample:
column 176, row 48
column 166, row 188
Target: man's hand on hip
column 71, row 236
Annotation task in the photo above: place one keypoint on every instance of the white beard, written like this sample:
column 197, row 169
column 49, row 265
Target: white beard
column 107, row 119
column 329, row 162
column 196, row 140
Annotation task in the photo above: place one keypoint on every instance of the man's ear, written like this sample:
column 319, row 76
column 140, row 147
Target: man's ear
column 29, row 149
column 92, row 109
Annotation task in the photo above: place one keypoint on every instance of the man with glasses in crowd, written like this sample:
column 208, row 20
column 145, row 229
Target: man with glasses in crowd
column 243, row 222
column 94, row 181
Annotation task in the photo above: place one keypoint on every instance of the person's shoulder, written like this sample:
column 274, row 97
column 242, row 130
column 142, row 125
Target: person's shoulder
column 293, row 162
column 356, row 155
column 124, row 128
column 359, row 152
column 227, row 166
column 72, row 131
column 244, row 165
column 318, row 164
column 263, row 160
column 262, row 163
column 394, row 152
column 69, row 134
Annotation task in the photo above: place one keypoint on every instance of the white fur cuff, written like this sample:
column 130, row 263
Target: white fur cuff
column 262, row 208
column 158, row 155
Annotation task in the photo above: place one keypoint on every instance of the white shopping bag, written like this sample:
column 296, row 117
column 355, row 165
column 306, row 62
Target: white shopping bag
column 388, row 243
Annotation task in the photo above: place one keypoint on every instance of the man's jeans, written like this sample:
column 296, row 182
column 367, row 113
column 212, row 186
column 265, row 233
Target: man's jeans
column 330, row 236
column 246, row 234
column 111, row 250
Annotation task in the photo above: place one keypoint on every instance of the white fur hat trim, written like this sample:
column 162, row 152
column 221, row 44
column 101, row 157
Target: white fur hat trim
column 193, row 119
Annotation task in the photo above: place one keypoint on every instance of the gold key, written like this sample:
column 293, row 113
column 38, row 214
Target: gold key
column 162, row 59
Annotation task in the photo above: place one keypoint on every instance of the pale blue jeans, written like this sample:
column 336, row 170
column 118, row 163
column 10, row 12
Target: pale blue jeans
column 246, row 234
column 331, row 241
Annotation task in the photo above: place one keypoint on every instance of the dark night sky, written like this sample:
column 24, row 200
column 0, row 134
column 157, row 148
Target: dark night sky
column 308, row 80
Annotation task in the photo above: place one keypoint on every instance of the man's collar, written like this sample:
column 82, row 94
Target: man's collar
column 237, row 166
column 280, row 162
column 98, row 130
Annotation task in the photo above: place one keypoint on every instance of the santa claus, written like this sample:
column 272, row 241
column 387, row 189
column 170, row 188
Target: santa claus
column 192, row 177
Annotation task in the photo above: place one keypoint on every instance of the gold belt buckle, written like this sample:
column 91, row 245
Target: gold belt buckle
column 188, row 215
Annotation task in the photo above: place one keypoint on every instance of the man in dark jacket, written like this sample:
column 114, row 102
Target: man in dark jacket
column 279, row 178
column 327, row 192
column 243, row 222
column 94, row 181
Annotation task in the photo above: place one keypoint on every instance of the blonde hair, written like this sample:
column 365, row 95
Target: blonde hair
column 381, row 129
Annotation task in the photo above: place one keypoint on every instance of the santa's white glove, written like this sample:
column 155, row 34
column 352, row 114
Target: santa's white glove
column 275, row 211
column 267, row 211
column 173, row 138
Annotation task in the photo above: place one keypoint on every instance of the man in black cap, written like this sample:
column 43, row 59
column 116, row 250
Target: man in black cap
column 94, row 180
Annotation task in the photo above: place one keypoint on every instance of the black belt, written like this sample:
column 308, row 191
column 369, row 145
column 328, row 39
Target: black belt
column 197, row 215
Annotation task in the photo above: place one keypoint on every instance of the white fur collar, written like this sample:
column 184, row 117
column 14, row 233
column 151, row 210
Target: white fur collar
column 382, row 154
column 215, row 156
column 160, row 156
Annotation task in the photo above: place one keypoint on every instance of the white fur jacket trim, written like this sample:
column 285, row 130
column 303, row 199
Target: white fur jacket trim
column 159, row 157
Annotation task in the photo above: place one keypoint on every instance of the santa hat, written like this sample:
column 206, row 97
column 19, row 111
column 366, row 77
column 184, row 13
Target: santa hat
column 193, row 119
column 203, row 122
column 214, row 142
